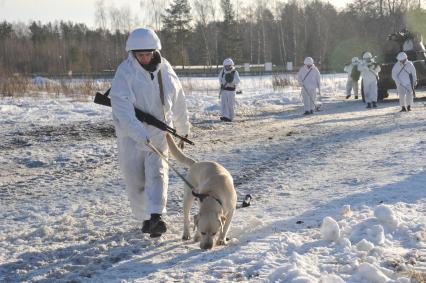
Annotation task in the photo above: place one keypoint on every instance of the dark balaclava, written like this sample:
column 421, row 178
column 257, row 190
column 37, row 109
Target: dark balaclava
column 155, row 62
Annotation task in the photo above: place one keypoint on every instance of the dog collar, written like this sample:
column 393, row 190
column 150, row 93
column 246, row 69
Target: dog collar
column 201, row 197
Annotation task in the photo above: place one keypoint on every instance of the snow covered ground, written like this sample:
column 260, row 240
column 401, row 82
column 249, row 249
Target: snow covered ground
column 339, row 196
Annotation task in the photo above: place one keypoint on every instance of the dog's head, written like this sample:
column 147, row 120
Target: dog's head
column 209, row 222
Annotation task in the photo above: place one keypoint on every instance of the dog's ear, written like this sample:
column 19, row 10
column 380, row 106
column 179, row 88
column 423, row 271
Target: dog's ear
column 196, row 217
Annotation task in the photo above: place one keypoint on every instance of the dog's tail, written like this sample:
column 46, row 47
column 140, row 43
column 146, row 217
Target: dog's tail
column 177, row 153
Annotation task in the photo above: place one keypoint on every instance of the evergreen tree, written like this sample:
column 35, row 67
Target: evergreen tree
column 5, row 30
column 176, row 30
column 230, row 39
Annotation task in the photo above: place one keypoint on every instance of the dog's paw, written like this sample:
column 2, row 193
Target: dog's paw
column 186, row 236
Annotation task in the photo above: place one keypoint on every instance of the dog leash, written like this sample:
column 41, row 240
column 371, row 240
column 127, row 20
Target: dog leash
column 197, row 195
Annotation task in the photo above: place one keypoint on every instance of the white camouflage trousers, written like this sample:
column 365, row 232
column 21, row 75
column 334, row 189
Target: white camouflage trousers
column 146, row 178
column 227, row 104
column 308, row 98
column 405, row 95
column 351, row 84
column 370, row 91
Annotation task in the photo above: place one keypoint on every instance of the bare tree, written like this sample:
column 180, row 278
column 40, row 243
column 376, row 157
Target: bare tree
column 283, row 50
column 204, row 10
column 122, row 19
column 152, row 10
column 101, row 14
column 215, row 18
column 248, row 21
column 114, row 14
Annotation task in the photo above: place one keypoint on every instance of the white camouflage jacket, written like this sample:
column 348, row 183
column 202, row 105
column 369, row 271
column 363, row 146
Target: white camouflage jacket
column 401, row 74
column 311, row 80
column 133, row 87
column 369, row 72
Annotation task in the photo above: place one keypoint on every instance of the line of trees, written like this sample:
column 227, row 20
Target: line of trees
column 206, row 32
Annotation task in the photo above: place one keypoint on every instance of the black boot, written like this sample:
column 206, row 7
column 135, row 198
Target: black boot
column 403, row 109
column 356, row 96
column 374, row 104
column 157, row 226
column 145, row 227
column 347, row 96
column 306, row 113
column 409, row 108
column 368, row 105
column 311, row 112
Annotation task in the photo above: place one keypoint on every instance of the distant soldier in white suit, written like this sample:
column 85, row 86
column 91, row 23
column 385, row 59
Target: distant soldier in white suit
column 353, row 77
column 228, row 79
column 370, row 75
column 405, row 77
column 309, row 78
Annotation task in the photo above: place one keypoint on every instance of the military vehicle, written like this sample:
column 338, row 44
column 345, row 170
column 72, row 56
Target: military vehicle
column 412, row 45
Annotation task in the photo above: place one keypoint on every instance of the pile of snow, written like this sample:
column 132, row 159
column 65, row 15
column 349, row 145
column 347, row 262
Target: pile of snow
column 365, row 257
column 330, row 230
column 358, row 246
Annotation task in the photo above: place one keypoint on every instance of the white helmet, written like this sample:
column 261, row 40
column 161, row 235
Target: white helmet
column 401, row 56
column 355, row 60
column 308, row 61
column 143, row 38
column 367, row 55
column 228, row 62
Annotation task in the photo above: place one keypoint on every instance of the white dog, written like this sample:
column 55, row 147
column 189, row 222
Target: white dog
column 214, row 187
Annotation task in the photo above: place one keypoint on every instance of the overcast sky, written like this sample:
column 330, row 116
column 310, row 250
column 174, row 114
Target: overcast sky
column 78, row 11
